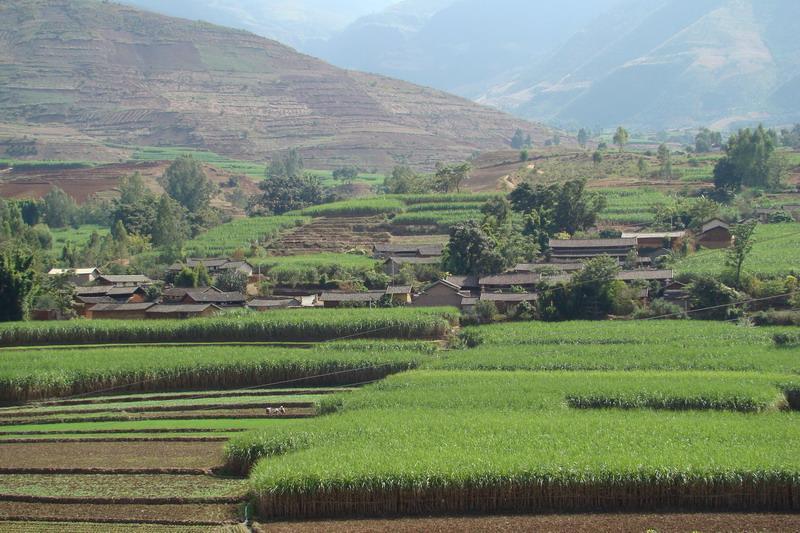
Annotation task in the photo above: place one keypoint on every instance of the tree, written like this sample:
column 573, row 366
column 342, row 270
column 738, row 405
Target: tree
column 345, row 174
column 567, row 207
column 203, row 279
column 750, row 161
column 118, row 232
column 448, row 178
column 185, row 181
column 706, row 140
column 231, row 281
column 471, row 251
column 170, row 228
column 17, row 284
column 711, row 300
column 135, row 207
column 60, row 209
column 642, row 169
column 583, row 138
column 742, row 246
column 286, row 165
column 621, row 137
column 403, row 180
column 186, row 278
column 56, row 293
column 593, row 287
column 597, row 157
column 497, row 208
column 519, row 140
column 665, row 160
column 280, row 194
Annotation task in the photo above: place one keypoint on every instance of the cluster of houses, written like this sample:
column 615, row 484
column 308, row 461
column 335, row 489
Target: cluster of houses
column 99, row 296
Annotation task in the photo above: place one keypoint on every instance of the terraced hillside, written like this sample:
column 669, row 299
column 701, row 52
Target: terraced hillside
column 115, row 73
column 332, row 234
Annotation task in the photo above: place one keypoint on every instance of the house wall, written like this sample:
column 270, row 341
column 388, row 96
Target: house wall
column 715, row 238
column 116, row 315
column 438, row 296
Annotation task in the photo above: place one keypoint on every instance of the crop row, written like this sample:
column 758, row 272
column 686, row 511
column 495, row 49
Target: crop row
column 287, row 326
column 359, row 207
column 241, row 235
column 36, row 374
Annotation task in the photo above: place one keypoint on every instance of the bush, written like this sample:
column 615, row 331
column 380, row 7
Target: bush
column 786, row 339
column 776, row 318
column 661, row 308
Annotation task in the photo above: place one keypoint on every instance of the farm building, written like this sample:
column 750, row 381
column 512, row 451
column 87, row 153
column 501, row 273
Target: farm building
column 137, row 311
column 216, row 297
column 182, row 311
column 77, row 276
column 124, row 281
column 545, row 268
column 393, row 265
column 401, row 294
column 715, row 234
column 664, row 276
column 574, row 250
column 385, row 251
column 178, row 294
column 509, row 280
column 766, row 214
column 466, row 283
column 270, row 304
column 507, row 302
column 215, row 266
column 344, row 299
column 441, row 294
column 648, row 242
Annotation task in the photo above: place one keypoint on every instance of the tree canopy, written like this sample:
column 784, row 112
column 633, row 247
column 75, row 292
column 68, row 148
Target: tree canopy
column 280, row 194
column 567, row 207
column 751, row 161
column 187, row 183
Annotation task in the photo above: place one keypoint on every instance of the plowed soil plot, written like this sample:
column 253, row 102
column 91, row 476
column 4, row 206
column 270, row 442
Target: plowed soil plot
column 663, row 523
column 118, row 455
column 175, row 514
column 121, row 486
column 119, row 416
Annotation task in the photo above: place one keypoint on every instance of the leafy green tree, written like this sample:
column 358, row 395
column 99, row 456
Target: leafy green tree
column 740, row 249
column 709, row 299
column 621, row 137
column 583, row 137
column 590, row 294
column 135, row 207
column 449, row 178
column 186, row 278
column 750, row 160
column 202, row 276
column 17, row 284
column 187, row 183
column 576, row 209
column 471, row 251
column 231, row 281
column 60, row 209
column 519, row 140
column 170, row 228
column 403, row 180
column 281, row 194
column 706, row 140
column 597, row 157
column 665, row 161
column 642, row 169
column 345, row 174
column 688, row 213
column 56, row 293
column 497, row 208
column 288, row 165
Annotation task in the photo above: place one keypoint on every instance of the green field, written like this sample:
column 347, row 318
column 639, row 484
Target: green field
column 669, row 413
column 632, row 206
column 242, row 234
column 77, row 237
column 776, row 252
column 356, row 208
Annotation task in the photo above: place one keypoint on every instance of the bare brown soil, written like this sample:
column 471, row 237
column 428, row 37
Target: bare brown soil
column 588, row 523
column 338, row 234
column 189, row 514
column 211, row 413
column 128, row 455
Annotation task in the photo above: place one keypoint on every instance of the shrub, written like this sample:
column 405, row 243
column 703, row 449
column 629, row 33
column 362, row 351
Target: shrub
column 661, row 308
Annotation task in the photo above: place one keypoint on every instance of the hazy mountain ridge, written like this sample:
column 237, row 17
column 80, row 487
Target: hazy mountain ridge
column 132, row 77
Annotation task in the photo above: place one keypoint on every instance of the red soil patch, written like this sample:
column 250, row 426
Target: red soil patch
column 128, row 455
column 188, row 514
column 589, row 523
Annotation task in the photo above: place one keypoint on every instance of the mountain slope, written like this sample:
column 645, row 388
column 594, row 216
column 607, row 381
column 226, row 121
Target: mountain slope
column 133, row 77
column 668, row 63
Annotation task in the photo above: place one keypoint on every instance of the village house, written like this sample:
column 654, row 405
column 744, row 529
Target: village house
column 400, row 295
column 509, row 281
column 352, row 299
column 271, row 304
column 215, row 266
column 715, row 234
column 466, row 283
column 648, row 243
column 76, row 276
column 385, row 251
column 126, row 311
column 215, row 297
column 575, row 250
column 181, row 311
column 176, row 295
column 442, row 293
column 124, row 281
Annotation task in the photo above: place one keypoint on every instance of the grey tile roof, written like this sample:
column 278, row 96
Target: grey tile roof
column 415, row 260
column 463, row 281
column 511, row 278
column 372, row 296
column 592, row 243
column 509, row 297
column 630, row 275
column 400, row 289
column 164, row 309
column 122, row 307
column 217, row 297
column 136, row 278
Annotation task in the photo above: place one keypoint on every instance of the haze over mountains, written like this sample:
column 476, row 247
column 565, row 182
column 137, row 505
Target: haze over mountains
column 649, row 64
column 114, row 73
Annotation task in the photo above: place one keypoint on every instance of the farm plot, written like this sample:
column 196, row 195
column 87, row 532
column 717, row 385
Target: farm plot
column 363, row 207
column 241, row 234
column 292, row 326
column 39, row 374
column 632, row 206
column 776, row 252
